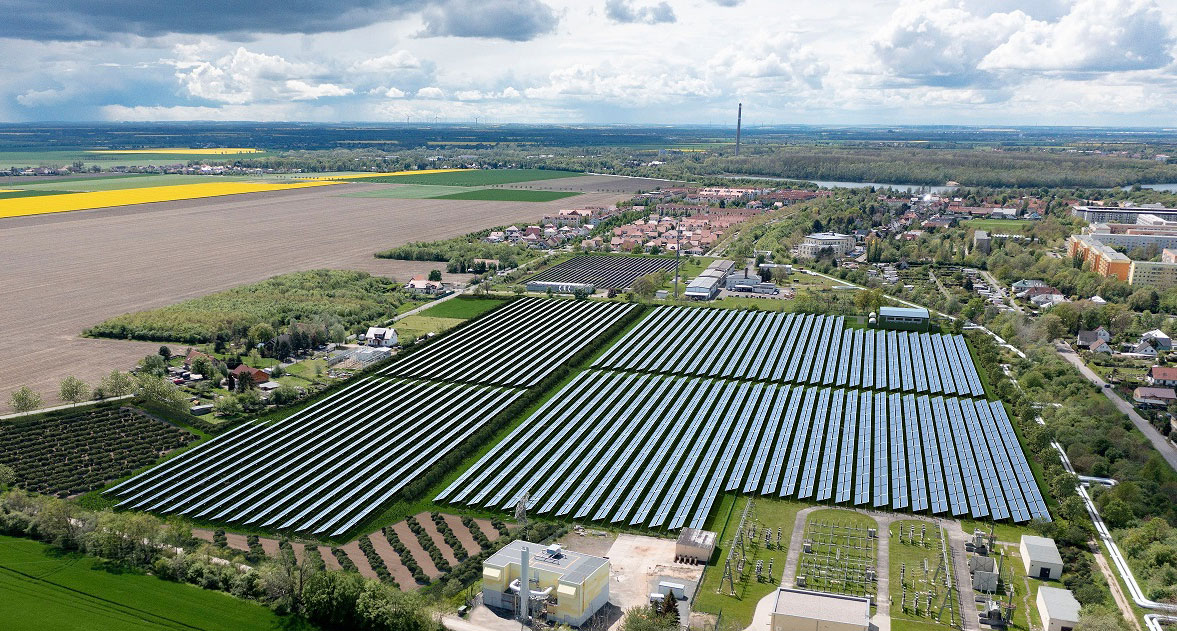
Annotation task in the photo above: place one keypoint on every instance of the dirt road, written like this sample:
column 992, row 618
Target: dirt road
column 64, row 272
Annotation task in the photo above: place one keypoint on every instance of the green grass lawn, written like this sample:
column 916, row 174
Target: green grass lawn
column 478, row 177
column 418, row 326
column 737, row 610
column 43, row 589
column 508, row 195
column 1004, row 226
column 462, row 307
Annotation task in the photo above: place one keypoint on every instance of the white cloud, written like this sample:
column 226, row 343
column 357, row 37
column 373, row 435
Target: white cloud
column 400, row 60
column 625, row 11
column 1096, row 36
column 244, row 76
column 394, row 93
column 430, row 92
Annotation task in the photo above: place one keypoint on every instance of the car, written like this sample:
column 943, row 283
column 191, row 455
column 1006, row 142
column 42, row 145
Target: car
column 1107, row 385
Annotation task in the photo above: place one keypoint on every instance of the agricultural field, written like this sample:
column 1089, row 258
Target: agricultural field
column 352, row 297
column 407, row 191
column 444, row 316
column 684, row 441
column 517, row 345
column 603, row 271
column 508, row 195
column 324, row 469
column 74, row 451
column 114, row 157
column 45, row 589
column 123, row 182
column 42, row 204
column 470, row 177
column 795, row 348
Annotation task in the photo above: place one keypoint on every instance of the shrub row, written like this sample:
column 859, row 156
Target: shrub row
column 344, row 561
column 476, row 532
column 406, row 557
column 376, row 562
column 219, row 539
column 427, row 543
column 501, row 527
column 447, row 533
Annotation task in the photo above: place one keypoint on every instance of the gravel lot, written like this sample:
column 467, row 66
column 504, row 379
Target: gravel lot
column 64, row 272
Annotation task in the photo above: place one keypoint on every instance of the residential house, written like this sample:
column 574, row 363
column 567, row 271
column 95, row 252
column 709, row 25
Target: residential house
column 1154, row 397
column 380, row 336
column 421, row 286
column 1101, row 346
column 258, row 375
column 1141, row 348
column 1025, row 284
column 1158, row 340
column 192, row 355
column 1162, row 376
column 1087, row 338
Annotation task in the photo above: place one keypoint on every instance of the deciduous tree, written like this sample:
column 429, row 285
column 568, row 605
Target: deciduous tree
column 73, row 390
column 25, row 400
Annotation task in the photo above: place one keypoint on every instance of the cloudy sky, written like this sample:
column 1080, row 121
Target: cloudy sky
column 1066, row 62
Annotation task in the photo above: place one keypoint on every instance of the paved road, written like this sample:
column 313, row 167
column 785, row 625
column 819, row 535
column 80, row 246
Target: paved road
column 1159, row 442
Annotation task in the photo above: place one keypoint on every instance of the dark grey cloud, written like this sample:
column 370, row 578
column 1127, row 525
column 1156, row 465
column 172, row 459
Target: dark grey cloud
column 73, row 20
column 626, row 12
column 513, row 20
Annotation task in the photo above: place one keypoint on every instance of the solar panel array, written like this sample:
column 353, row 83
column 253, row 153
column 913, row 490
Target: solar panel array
column 656, row 450
column 325, row 468
column 793, row 348
column 603, row 271
column 517, row 345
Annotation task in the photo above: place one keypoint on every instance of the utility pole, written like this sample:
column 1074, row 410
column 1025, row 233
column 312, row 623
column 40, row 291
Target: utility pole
column 677, row 255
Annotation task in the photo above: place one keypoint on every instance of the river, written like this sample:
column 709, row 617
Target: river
column 836, row 184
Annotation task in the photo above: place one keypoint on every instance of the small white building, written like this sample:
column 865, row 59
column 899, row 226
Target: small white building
column 1058, row 608
column 1041, row 558
column 803, row 610
column 380, row 336
column 837, row 243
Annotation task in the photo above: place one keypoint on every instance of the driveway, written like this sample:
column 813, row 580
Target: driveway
column 1158, row 441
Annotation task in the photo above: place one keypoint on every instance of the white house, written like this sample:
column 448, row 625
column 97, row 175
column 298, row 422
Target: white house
column 1158, row 340
column 1058, row 608
column 1041, row 557
column 380, row 336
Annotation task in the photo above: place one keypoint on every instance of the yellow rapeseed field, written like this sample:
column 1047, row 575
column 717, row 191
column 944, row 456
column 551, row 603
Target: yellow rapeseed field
column 198, row 152
column 21, row 206
column 390, row 174
column 9, row 190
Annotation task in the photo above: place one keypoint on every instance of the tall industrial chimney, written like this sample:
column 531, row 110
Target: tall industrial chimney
column 739, row 123
column 524, row 586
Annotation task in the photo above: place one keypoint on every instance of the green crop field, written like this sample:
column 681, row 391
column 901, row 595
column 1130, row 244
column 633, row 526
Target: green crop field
column 508, row 195
column 10, row 159
column 43, row 589
column 478, row 177
column 24, row 193
column 462, row 307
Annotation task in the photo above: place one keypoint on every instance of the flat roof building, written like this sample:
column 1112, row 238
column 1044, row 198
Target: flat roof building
column 1058, row 608
column 837, row 243
column 803, row 610
column 907, row 318
column 1041, row 558
column 694, row 546
column 703, row 288
column 565, row 587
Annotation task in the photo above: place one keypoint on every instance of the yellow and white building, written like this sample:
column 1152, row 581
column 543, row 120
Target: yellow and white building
column 565, row 587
